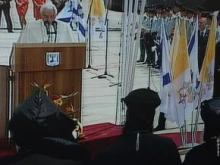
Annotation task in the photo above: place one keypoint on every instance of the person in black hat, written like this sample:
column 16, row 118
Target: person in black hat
column 137, row 144
column 207, row 153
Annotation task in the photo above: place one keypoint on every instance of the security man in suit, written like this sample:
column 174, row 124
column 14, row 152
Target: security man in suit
column 149, row 26
column 203, row 39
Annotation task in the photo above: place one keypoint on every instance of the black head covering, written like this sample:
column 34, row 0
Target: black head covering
column 39, row 117
column 142, row 96
column 210, row 114
column 141, row 105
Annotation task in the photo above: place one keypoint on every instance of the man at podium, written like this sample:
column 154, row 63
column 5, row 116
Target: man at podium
column 47, row 29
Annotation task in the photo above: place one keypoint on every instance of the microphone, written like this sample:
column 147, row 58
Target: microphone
column 54, row 24
column 47, row 25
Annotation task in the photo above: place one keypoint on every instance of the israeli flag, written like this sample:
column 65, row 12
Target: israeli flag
column 72, row 13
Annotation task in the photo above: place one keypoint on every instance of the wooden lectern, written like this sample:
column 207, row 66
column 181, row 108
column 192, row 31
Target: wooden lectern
column 57, row 64
column 4, row 101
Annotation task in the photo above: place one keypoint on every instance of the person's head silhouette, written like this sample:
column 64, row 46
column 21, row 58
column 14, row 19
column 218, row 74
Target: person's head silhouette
column 141, row 105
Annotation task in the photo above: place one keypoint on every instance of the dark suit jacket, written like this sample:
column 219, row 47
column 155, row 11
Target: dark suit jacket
column 154, row 150
column 50, row 150
column 204, row 154
column 6, row 4
column 202, row 43
column 216, row 73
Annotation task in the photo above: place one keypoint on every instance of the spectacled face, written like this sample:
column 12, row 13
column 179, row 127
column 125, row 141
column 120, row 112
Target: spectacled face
column 48, row 15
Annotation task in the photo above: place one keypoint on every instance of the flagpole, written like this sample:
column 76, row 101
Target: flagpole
column 106, row 47
column 197, row 114
column 133, row 51
column 123, row 60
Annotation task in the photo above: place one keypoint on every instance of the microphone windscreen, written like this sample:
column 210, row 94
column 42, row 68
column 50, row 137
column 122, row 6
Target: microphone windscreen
column 46, row 23
column 54, row 23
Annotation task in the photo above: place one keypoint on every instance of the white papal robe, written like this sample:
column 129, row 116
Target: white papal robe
column 35, row 32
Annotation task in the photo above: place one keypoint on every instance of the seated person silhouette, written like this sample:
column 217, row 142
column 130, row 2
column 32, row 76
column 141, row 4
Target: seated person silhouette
column 43, row 135
column 207, row 153
column 137, row 144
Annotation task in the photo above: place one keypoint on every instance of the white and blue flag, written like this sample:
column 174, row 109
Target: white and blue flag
column 72, row 13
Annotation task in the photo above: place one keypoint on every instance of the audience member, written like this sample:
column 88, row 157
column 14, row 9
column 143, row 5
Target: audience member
column 22, row 7
column 138, row 145
column 44, row 135
column 50, row 151
column 47, row 29
column 5, row 8
column 216, row 92
column 207, row 153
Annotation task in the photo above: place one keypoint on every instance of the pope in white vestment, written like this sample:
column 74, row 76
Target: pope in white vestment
column 36, row 32
column 47, row 29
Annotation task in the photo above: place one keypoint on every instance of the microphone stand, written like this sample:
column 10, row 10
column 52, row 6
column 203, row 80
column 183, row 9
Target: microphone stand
column 89, row 41
column 106, row 49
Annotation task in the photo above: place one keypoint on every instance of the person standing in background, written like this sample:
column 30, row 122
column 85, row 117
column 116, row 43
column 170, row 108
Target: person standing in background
column 142, row 41
column 149, row 26
column 59, row 4
column 5, row 8
column 36, row 8
column 203, row 39
column 22, row 7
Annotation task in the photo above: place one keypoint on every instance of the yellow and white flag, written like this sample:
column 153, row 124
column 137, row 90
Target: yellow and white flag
column 97, row 8
column 207, row 71
column 181, row 96
column 97, row 12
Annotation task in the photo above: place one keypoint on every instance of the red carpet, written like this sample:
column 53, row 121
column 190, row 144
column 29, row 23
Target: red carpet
column 5, row 149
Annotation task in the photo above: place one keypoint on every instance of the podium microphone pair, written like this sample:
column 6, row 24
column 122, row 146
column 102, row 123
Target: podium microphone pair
column 47, row 25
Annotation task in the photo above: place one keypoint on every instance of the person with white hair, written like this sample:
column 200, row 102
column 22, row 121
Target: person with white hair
column 47, row 29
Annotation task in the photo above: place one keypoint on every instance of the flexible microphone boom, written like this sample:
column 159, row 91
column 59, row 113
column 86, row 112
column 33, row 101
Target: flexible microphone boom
column 47, row 25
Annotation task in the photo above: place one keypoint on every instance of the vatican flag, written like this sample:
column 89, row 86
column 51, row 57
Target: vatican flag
column 181, row 96
column 97, row 8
